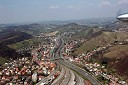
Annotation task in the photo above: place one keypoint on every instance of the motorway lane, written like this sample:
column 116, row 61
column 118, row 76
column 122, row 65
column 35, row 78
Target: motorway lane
column 79, row 80
column 72, row 79
column 60, row 78
column 67, row 77
column 46, row 79
column 86, row 74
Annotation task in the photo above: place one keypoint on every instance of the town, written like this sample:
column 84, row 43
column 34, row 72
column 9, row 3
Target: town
column 63, row 42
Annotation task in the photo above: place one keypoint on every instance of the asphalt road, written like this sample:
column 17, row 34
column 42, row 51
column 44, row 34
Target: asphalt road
column 79, row 80
column 66, row 74
column 65, row 78
column 84, row 73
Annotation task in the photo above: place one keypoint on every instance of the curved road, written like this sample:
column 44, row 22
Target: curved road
column 81, row 71
column 64, row 77
column 79, row 80
column 67, row 76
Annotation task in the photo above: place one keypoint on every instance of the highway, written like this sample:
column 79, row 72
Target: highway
column 46, row 79
column 84, row 73
column 67, row 76
column 81, row 71
column 50, row 77
column 64, row 78
column 79, row 80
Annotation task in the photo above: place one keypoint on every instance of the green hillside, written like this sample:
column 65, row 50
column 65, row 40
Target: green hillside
column 25, row 43
column 3, row 60
column 72, row 27
column 102, row 40
column 83, row 33
column 116, row 56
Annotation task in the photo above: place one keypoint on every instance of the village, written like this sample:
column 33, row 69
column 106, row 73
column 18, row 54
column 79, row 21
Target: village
column 29, row 70
column 94, row 68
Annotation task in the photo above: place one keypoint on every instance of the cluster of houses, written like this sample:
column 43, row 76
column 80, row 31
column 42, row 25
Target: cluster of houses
column 28, row 70
column 94, row 68
column 99, row 70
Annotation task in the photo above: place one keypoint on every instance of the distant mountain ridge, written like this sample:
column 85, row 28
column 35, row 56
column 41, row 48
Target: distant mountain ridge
column 71, row 27
column 32, row 29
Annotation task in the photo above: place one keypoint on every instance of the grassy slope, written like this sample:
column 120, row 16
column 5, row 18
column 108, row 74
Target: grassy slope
column 116, row 51
column 101, row 40
column 118, row 56
column 24, row 43
column 19, row 45
column 2, row 60
column 70, row 27
column 83, row 33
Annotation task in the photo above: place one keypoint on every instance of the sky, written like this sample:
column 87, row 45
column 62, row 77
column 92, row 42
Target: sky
column 49, row 10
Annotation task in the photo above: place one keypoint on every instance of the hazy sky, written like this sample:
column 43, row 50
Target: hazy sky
column 40, row 10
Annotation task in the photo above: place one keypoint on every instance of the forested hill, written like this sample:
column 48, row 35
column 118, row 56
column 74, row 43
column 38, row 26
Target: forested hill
column 12, row 36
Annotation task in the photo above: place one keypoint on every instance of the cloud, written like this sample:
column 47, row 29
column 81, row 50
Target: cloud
column 121, row 2
column 70, row 6
column 78, row 7
column 54, row 7
column 105, row 3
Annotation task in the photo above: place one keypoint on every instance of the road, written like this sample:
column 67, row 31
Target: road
column 81, row 71
column 67, row 76
column 79, row 80
column 46, row 79
column 84, row 73
column 64, row 78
